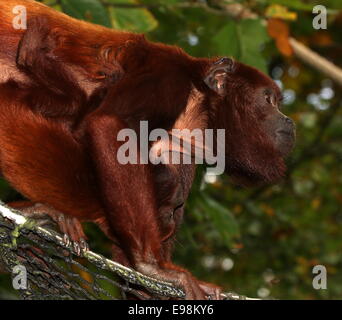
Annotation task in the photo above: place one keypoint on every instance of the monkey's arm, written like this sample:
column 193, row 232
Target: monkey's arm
column 129, row 196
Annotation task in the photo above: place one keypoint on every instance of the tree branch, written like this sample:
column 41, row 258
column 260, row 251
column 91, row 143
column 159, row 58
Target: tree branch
column 20, row 225
column 316, row 61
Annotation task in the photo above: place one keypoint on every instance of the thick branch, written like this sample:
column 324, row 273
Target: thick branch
column 316, row 61
column 155, row 286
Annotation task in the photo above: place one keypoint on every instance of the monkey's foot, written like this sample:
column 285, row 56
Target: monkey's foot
column 73, row 234
column 194, row 289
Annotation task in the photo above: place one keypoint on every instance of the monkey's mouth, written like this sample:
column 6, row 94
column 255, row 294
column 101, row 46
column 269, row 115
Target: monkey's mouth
column 289, row 133
column 285, row 141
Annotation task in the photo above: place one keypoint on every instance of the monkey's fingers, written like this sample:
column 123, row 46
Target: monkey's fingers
column 212, row 291
column 73, row 234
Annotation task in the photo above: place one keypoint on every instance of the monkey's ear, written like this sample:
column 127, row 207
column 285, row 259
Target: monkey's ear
column 217, row 75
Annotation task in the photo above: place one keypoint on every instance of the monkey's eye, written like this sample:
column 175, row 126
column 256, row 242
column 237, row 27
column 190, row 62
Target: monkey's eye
column 270, row 97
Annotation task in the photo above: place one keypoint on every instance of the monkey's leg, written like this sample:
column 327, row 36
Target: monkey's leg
column 42, row 161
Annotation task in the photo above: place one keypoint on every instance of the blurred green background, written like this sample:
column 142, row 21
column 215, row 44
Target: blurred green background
column 260, row 242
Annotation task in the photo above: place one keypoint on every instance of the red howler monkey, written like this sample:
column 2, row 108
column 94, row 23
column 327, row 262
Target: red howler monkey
column 68, row 87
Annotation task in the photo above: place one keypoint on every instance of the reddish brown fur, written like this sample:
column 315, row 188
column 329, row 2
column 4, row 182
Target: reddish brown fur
column 70, row 86
column 22, row 160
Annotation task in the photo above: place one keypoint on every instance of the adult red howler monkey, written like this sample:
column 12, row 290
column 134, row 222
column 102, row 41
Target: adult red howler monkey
column 68, row 87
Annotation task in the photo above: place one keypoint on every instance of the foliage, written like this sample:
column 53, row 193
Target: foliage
column 262, row 241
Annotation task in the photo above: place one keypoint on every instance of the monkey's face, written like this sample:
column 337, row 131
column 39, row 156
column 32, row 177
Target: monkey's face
column 258, row 135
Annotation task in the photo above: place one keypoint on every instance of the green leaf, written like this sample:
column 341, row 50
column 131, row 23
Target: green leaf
column 223, row 220
column 227, row 40
column 4, row 189
column 137, row 20
column 332, row 4
column 243, row 40
column 89, row 10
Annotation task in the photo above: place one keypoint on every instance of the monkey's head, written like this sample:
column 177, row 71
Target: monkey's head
column 258, row 136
